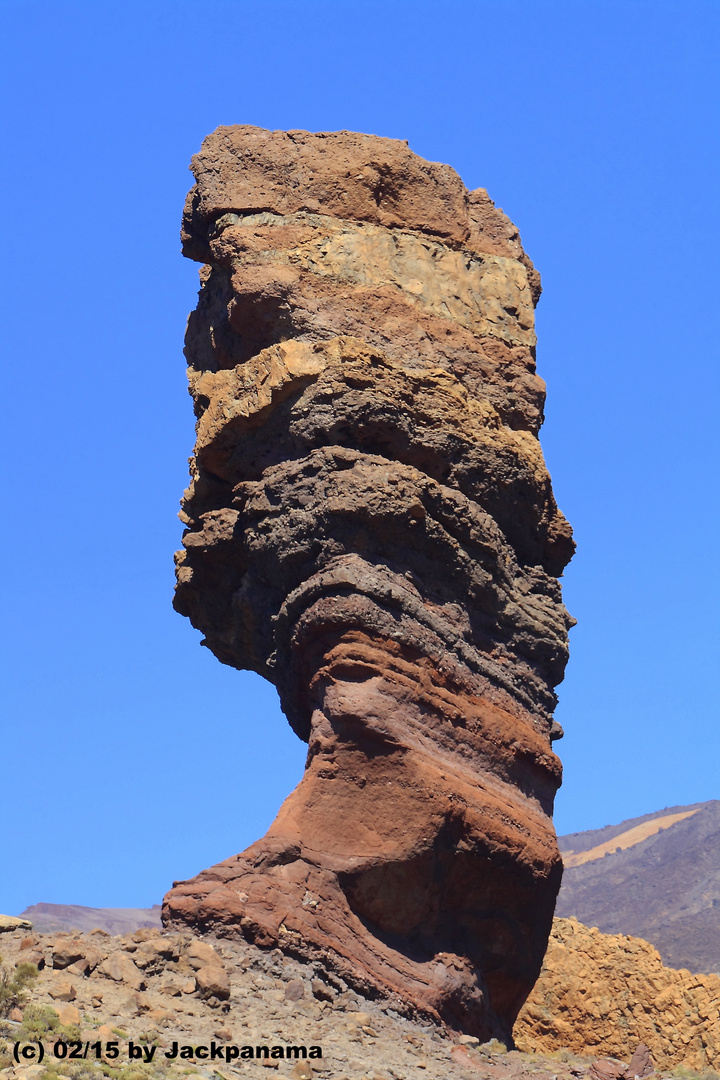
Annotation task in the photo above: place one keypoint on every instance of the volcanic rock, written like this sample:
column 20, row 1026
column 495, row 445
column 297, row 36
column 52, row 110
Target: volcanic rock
column 69, row 1015
column 597, row 994
column 63, row 990
column 371, row 527
column 607, row 992
column 212, row 981
column 640, row 1064
column 9, row 923
column 200, row 954
column 66, row 953
column 121, row 968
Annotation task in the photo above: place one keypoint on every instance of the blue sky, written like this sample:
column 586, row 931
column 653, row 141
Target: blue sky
column 131, row 757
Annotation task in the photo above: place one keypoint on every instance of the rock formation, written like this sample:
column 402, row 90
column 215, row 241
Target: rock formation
column 602, row 993
column 371, row 527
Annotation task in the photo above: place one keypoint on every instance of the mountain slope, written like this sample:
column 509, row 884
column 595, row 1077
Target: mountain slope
column 51, row 918
column 656, row 877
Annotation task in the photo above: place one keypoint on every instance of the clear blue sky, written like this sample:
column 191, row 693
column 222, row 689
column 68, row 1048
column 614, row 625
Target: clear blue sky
column 130, row 756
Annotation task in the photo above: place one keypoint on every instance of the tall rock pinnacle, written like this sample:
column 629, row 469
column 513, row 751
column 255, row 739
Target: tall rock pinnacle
column 371, row 527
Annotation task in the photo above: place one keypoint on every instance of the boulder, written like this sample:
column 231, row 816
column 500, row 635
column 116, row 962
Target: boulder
column 201, row 953
column 154, row 953
column 87, row 962
column 120, row 968
column 295, row 990
column 213, row 981
column 67, row 952
column 70, row 1014
column 62, row 990
column 8, row 923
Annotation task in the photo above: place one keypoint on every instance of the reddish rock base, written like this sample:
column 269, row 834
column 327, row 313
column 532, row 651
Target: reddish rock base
column 400, row 859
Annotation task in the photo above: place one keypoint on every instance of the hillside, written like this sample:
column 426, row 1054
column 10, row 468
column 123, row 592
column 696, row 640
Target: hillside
column 230, row 999
column 155, row 991
column 656, row 877
column 53, row 918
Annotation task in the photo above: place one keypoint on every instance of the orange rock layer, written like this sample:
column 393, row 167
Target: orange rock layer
column 602, row 994
column 371, row 526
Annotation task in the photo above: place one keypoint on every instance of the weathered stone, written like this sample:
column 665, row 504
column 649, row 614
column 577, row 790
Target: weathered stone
column 322, row 991
column 140, row 1003
column 146, row 933
column 607, row 993
column 120, row 968
column 200, row 954
column 66, row 952
column 70, row 1014
column 133, row 1006
column 301, row 1071
column 641, row 1064
column 172, row 985
column 87, row 962
column 160, row 1016
column 8, row 923
column 295, row 990
column 371, row 526
column 152, row 954
column 213, row 981
column 32, row 1072
column 607, row 1069
column 63, row 990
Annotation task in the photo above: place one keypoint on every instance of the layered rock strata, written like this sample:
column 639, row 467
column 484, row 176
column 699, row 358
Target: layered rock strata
column 371, row 527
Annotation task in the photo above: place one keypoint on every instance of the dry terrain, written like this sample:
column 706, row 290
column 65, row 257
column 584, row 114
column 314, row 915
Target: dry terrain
column 149, row 989
column 152, row 989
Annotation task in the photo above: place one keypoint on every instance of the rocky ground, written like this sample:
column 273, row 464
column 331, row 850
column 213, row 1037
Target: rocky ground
column 152, row 989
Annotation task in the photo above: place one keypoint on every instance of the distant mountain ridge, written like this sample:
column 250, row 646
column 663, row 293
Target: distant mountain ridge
column 626, row 839
column 656, row 877
column 55, row 918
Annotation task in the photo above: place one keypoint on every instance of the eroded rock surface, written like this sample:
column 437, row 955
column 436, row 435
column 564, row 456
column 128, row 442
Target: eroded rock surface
column 371, row 527
column 600, row 993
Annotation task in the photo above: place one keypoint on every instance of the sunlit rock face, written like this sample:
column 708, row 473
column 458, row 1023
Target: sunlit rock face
column 371, row 527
